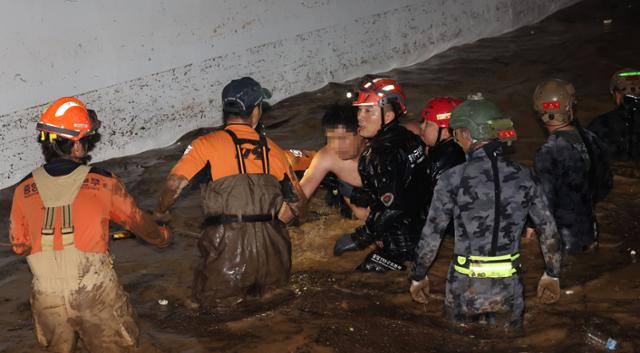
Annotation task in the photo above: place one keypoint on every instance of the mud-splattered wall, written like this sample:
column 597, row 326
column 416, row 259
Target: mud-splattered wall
column 153, row 70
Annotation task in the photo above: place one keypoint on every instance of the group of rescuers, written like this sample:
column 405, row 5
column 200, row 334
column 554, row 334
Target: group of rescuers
column 450, row 175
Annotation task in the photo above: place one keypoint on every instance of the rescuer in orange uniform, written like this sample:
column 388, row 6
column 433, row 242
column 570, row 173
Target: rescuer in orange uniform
column 60, row 222
column 245, row 248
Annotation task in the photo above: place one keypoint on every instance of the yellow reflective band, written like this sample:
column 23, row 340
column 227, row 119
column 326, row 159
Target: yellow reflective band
column 502, row 271
column 495, row 258
column 487, row 266
column 52, row 136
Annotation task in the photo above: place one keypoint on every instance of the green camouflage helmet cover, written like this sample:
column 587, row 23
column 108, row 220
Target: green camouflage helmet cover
column 484, row 120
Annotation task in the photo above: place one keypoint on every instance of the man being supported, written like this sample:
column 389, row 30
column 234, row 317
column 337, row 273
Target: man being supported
column 339, row 156
column 60, row 222
column 489, row 198
column 245, row 248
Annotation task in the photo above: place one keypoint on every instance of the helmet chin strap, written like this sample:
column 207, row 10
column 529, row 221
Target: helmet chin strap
column 382, row 123
column 439, row 135
column 562, row 125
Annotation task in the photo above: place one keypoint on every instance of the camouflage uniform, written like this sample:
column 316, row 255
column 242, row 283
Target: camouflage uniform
column 619, row 130
column 562, row 165
column 467, row 193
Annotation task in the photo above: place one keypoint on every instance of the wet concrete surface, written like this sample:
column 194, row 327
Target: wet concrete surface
column 329, row 308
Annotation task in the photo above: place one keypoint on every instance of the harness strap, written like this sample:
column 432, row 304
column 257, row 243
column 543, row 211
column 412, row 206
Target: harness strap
column 497, row 194
column 262, row 143
column 67, row 229
column 58, row 193
column 48, row 229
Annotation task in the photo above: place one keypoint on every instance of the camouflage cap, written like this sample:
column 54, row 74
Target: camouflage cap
column 626, row 81
column 553, row 99
column 484, row 120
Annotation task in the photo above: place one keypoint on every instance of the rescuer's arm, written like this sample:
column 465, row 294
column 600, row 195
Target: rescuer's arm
column 393, row 169
column 170, row 192
column 546, row 226
column 294, row 196
column 125, row 212
column 192, row 162
column 18, row 230
column 545, row 167
column 438, row 218
column 312, row 178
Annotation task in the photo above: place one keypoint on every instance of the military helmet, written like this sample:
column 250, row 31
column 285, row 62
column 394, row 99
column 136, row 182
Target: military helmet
column 554, row 99
column 626, row 81
column 484, row 120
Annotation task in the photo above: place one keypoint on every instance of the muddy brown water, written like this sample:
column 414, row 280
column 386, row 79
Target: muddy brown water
column 332, row 309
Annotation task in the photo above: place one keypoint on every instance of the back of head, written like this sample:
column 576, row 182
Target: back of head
column 241, row 96
column 626, row 82
column 64, row 123
column 340, row 116
column 554, row 101
column 483, row 119
column 438, row 110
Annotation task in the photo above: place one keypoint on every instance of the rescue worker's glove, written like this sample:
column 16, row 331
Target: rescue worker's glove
column 166, row 237
column 345, row 243
column 359, row 239
column 162, row 218
column 361, row 197
column 420, row 290
column 548, row 289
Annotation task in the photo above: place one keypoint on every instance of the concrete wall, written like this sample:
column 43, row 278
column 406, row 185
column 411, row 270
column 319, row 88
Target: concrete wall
column 153, row 69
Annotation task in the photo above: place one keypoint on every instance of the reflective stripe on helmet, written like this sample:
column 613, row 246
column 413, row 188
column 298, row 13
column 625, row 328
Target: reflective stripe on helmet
column 57, row 130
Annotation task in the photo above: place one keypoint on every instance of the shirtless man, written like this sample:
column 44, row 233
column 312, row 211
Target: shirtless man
column 339, row 156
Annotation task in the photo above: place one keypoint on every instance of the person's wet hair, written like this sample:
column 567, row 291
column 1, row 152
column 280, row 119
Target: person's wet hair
column 61, row 147
column 226, row 115
column 341, row 116
column 397, row 110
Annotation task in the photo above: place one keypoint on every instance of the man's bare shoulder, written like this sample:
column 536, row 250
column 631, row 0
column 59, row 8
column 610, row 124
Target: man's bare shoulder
column 326, row 155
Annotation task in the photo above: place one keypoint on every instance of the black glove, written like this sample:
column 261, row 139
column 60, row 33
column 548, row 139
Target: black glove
column 344, row 188
column 418, row 272
column 360, row 197
column 345, row 243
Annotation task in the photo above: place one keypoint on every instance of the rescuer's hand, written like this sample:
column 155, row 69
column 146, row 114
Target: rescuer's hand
column 166, row 237
column 162, row 218
column 548, row 289
column 529, row 233
column 420, row 290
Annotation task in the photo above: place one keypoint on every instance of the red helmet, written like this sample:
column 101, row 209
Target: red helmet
column 438, row 110
column 67, row 117
column 380, row 91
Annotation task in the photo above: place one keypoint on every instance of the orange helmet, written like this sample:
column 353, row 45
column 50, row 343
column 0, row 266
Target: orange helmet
column 438, row 110
column 69, row 118
column 380, row 91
